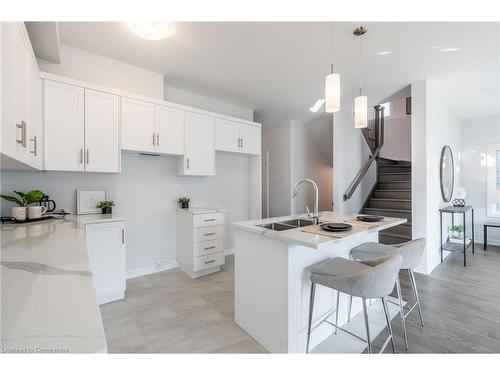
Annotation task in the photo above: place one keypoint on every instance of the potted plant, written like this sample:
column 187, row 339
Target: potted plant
column 23, row 200
column 457, row 231
column 105, row 206
column 183, row 202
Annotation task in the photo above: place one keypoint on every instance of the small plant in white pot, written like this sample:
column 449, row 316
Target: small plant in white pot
column 183, row 202
column 105, row 206
column 22, row 200
column 457, row 232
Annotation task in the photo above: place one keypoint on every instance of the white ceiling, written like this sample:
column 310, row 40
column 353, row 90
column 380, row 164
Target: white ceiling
column 278, row 69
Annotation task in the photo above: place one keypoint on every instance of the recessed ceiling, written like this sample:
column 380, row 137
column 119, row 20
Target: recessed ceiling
column 278, row 69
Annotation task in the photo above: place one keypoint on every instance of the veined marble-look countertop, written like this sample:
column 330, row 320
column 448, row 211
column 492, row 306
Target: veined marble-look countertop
column 48, row 300
column 296, row 235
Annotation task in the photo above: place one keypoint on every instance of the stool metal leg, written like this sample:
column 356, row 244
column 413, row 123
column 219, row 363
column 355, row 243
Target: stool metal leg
column 367, row 326
column 311, row 307
column 415, row 293
column 337, row 313
column 388, row 321
column 402, row 310
column 349, row 309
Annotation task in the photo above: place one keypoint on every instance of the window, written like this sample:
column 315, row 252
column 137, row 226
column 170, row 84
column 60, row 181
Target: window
column 493, row 168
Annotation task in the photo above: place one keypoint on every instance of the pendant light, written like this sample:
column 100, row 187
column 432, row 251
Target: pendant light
column 361, row 102
column 332, row 88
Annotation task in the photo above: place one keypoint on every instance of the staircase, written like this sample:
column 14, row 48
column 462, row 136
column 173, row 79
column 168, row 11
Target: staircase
column 392, row 197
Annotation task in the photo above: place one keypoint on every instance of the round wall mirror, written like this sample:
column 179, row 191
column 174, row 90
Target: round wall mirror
column 447, row 173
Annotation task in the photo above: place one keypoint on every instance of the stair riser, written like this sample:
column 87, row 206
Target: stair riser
column 389, row 240
column 394, row 177
column 372, row 203
column 395, row 169
column 403, row 215
column 392, row 194
column 404, row 230
column 394, row 185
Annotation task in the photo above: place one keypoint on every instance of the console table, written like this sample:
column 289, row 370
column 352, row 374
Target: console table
column 453, row 246
column 486, row 225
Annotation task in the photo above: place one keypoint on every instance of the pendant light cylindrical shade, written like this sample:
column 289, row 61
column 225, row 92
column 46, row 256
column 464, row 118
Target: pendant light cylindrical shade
column 332, row 93
column 361, row 112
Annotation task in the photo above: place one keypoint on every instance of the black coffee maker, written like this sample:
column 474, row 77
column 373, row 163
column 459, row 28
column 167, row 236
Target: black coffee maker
column 49, row 204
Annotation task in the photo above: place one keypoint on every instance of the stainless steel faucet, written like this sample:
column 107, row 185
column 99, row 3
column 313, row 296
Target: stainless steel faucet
column 313, row 215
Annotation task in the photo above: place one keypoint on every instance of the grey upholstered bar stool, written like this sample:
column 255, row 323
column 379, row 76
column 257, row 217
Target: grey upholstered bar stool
column 370, row 279
column 411, row 252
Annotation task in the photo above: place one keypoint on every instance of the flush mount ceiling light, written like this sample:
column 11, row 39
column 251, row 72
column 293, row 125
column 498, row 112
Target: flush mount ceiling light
column 449, row 49
column 361, row 102
column 315, row 108
column 152, row 30
column 381, row 53
column 332, row 87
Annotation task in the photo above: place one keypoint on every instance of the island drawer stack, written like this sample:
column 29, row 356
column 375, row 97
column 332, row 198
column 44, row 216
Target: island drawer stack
column 200, row 241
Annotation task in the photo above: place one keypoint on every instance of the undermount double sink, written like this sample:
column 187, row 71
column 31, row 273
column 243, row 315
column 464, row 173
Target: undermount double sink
column 288, row 224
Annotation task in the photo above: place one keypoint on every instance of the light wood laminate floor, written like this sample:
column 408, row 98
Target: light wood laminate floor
column 168, row 312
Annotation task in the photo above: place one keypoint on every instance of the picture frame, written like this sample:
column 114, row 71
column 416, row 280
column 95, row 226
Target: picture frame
column 87, row 198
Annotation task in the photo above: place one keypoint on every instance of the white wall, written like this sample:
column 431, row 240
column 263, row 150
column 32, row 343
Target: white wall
column 350, row 153
column 477, row 133
column 434, row 125
column 89, row 67
column 145, row 193
column 173, row 94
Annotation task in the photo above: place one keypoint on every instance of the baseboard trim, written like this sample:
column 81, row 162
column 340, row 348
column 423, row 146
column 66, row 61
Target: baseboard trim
column 149, row 270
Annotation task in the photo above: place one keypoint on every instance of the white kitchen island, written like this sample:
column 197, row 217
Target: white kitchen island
column 272, row 283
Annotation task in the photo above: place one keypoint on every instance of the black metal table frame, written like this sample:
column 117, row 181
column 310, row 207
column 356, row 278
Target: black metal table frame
column 485, row 229
column 465, row 246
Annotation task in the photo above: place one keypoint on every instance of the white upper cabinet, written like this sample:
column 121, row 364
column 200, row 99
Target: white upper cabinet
column 21, row 96
column 138, row 125
column 250, row 139
column 233, row 136
column 102, row 149
column 64, row 127
column 199, row 151
column 227, row 136
column 169, row 130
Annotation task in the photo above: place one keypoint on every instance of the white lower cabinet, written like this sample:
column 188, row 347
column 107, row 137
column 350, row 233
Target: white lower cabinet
column 200, row 241
column 106, row 251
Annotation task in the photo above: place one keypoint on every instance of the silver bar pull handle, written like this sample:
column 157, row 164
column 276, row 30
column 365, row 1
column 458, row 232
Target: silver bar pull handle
column 209, row 220
column 81, row 156
column 88, row 156
column 157, row 139
column 210, row 248
column 187, row 163
column 210, row 261
column 241, row 143
column 35, row 145
column 209, row 234
column 154, row 137
column 123, row 236
column 22, row 126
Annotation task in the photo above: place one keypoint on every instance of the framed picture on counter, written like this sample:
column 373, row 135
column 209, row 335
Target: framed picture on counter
column 86, row 200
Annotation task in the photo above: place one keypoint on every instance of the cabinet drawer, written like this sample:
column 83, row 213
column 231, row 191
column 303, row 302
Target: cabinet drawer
column 208, row 261
column 208, row 220
column 208, row 233
column 208, row 247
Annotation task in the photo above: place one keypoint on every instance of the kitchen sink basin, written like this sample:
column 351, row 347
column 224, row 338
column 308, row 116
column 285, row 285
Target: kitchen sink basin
column 288, row 224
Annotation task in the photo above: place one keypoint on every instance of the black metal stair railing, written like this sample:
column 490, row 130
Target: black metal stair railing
column 374, row 137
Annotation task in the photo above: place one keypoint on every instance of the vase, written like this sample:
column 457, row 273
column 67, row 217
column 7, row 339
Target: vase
column 107, row 210
column 185, row 205
column 18, row 213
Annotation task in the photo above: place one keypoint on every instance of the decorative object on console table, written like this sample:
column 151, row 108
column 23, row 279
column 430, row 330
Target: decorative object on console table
column 452, row 244
column 105, row 206
column 183, row 202
column 25, row 199
column 86, row 200
column 459, row 200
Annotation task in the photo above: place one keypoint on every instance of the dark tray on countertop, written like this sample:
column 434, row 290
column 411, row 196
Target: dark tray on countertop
column 51, row 216
column 336, row 227
column 370, row 218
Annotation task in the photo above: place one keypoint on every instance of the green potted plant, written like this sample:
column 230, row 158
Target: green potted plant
column 105, row 206
column 183, row 202
column 457, row 231
column 22, row 200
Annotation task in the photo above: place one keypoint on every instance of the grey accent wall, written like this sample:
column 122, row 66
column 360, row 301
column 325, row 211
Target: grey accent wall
column 145, row 193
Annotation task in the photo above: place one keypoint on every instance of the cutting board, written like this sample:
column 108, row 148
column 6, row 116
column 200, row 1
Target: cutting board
column 356, row 228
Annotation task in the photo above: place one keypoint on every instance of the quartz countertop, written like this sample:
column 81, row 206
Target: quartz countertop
column 297, row 236
column 48, row 300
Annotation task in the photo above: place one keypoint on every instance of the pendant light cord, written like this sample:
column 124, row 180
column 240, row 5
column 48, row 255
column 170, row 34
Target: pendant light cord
column 333, row 51
column 360, row 64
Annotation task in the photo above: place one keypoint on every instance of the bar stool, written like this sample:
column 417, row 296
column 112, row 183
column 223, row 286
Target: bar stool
column 370, row 279
column 411, row 252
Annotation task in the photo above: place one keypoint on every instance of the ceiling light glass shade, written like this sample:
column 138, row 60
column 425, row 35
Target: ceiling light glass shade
column 361, row 112
column 332, row 93
column 152, row 30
